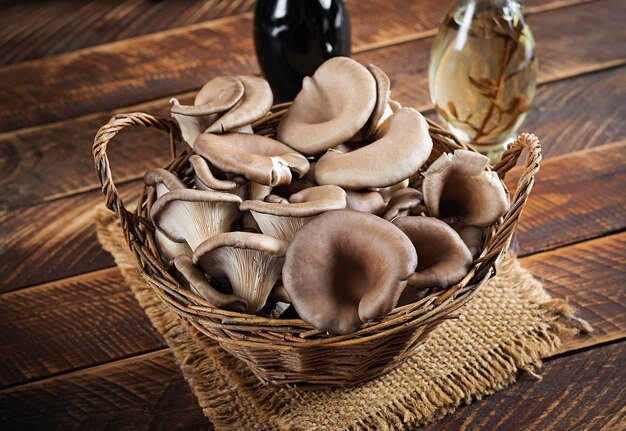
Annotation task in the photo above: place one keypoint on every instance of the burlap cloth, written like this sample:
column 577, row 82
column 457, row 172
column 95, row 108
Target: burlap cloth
column 509, row 326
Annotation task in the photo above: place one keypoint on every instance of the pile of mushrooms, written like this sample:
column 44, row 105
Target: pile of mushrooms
column 335, row 217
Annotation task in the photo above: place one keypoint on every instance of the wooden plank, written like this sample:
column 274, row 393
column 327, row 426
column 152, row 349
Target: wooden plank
column 93, row 318
column 51, row 241
column 32, row 30
column 592, row 276
column 585, row 391
column 165, row 63
column 143, row 392
column 581, row 391
column 577, row 197
column 32, row 158
column 72, row 323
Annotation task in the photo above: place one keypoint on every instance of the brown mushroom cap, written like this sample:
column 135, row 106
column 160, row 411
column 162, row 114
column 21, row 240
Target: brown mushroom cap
column 333, row 105
column 306, row 203
column 256, row 102
column 472, row 236
column 283, row 218
column 202, row 287
column 345, row 268
column 259, row 159
column 383, row 93
column 366, row 201
column 205, row 180
column 403, row 146
column 458, row 186
column 216, row 96
column 251, row 261
column 444, row 259
column 387, row 192
column 402, row 202
column 163, row 180
column 194, row 215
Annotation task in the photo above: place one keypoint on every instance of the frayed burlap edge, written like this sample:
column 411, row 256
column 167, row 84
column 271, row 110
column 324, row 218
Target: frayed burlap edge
column 234, row 399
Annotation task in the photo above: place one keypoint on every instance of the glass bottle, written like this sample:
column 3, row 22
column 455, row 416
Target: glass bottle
column 482, row 72
column 293, row 37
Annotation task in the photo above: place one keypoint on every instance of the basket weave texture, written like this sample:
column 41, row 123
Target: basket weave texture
column 281, row 351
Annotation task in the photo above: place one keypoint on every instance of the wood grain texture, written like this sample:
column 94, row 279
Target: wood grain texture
column 576, row 197
column 585, row 391
column 31, row 158
column 143, row 392
column 582, row 391
column 33, row 30
column 51, row 241
column 72, row 323
column 165, row 63
column 592, row 275
column 93, row 318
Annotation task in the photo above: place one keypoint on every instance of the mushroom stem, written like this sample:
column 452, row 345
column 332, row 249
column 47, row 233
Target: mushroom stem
column 252, row 274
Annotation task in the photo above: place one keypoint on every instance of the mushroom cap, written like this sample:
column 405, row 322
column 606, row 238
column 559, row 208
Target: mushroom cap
column 162, row 177
column 198, row 282
column 268, row 245
column 332, row 106
column 383, row 93
column 387, row 192
column 458, row 186
column 258, row 158
column 366, row 201
column 204, row 178
column 306, row 203
column 403, row 146
column 216, row 96
column 256, row 102
column 472, row 236
column 402, row 202
column 345, row 268
column 444, row 259
column 251, row 261
column 175, row 212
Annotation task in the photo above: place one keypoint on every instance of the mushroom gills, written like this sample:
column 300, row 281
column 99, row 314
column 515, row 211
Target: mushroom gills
column 251, row 273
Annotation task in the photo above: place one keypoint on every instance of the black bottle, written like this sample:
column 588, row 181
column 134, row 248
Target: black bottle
column 293, row 37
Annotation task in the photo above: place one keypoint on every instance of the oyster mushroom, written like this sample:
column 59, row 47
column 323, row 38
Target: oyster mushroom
column 382, row 110
column 256, row 102
column 366, row 201
column 205, row 180
column 402, row 202
column 201, row 286
column 164, row 181
column 402, row 147
column 283, row 218
column 252, row 262
column 457, row 186
column 261, row 160
column 333, row 105
column 472, row 236
column 444, row 259
column 194, row 215
column 387, row 192
column 337, row 280
column 215, row 97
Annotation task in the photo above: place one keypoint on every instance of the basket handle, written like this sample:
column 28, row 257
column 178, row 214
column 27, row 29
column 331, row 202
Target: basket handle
column 504, row 230
column 103, row 169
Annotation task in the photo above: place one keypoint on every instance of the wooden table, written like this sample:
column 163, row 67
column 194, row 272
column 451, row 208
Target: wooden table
column 76, row 349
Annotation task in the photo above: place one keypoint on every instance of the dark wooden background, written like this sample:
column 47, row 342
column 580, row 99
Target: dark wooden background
column 76, row 351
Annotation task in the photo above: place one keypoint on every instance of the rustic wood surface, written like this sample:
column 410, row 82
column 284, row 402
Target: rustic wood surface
column 77, row 350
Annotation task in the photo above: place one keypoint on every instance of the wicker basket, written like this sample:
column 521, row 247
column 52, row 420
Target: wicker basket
column 285, row 352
